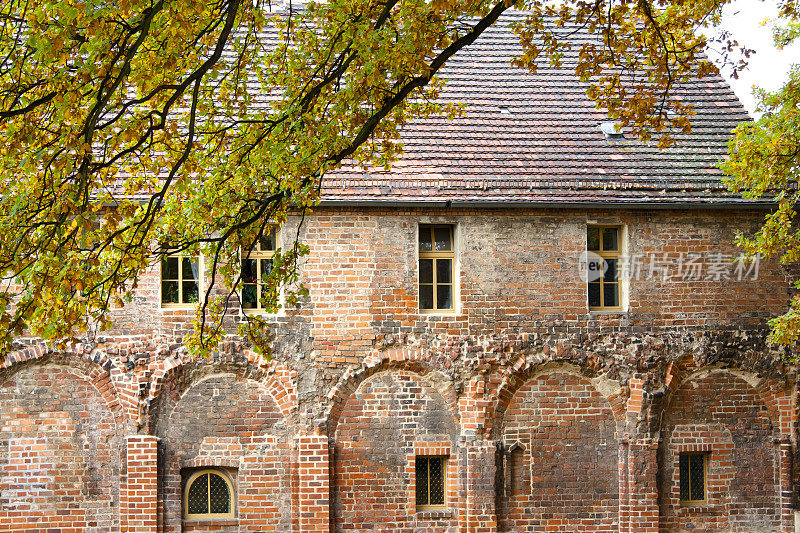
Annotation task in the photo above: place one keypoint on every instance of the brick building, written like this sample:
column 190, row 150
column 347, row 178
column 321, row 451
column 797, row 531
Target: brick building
column 452, row 370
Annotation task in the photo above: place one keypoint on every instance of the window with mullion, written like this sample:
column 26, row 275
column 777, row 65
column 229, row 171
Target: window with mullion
column 430, row 474
column 180, row 280
column 604, row 289
column 436, row 258
column 692, row 477
column 256, row 268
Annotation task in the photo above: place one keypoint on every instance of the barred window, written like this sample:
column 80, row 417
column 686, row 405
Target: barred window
column 603, row 245
column 431, row 477
column 180, row 280
column 692, row 467
column 209, row 494
column 436, row 258
column 256, row 267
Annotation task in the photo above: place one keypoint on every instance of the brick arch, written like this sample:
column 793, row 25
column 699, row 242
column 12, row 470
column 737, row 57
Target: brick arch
column 730, row 415
column 225, row 415
column 392, row 416
column 66, row 422
column 777, row 397
column 407, row 359
column 276, row 379
column 522, row 372
column 560, row 429
column 107, row 379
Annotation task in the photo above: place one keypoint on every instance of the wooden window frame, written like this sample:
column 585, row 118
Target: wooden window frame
column 194, row 477
column 691, row 502
column 428, row 506
column 434, row 255
column 180, row 304
column 259, row 255
column 606, row 254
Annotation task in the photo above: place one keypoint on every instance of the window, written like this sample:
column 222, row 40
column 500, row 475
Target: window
column 692, row 467
column 256, row 267
column 436, row 258
column 431, row 475
column 208, row 494
column 603, row 245
column 180, row 280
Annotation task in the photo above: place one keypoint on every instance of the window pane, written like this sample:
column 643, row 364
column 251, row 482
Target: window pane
column 422, row 480
column 436, row 466
column 266, row 266
column 249, row 296
column 611, row 270
column 684, row 476
column 610, row 239
column 169, row 292
column 197, row 499
column 426, row 296
column 267, row 242
column 443, row 241
column 169, row 268
column 249, row 270
column 426, row 270
column 190, row 268
column 425, row 244
column 219, row 494
column 444, row 298
column 190, row 292
column 594, row 295
column 697, row 477
column 610, row 294
column 593, row 238
column 444, row 267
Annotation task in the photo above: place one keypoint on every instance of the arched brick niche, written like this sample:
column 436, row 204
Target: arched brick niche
column 59, row 448
column 558, row 467
column 392, row 417
column 720, row 415
column 232, row 423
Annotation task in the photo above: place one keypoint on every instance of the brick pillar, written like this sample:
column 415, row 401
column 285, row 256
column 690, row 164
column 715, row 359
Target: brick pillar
column 787, row 512
column 638, row 486
column 138, row 498
column 478, row 514
column 314, row 483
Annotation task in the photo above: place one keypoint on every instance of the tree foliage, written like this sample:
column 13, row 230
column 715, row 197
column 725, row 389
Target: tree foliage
column 197, row 125
column 764, row 160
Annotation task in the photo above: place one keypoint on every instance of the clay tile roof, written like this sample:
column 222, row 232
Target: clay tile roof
column 527, row 139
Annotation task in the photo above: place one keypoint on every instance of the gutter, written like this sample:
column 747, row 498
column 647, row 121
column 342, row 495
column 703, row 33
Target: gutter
column 483, row 204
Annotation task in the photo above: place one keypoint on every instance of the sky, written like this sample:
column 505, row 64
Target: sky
column 769, row 67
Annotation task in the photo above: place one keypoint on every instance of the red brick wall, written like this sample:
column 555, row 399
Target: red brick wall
column 224, row 421
column 563, row 475
column 723, row 415
column 59, row 452
column 380, row 425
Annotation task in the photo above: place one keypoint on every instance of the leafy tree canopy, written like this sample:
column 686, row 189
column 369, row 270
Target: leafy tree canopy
column 196, row 125
column 764, row 160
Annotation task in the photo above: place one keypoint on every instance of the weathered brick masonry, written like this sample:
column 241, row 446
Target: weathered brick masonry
column 534, row 413
column 551, row 419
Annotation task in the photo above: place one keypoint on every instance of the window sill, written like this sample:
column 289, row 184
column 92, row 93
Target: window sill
column 433, row 514
column 179, row 306
column 209, row 521
column 601, row 312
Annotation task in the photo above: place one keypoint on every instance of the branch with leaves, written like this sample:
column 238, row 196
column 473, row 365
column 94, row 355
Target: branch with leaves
column 195, row 126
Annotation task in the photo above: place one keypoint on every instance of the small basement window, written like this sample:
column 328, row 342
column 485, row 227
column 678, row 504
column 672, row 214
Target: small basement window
column 208, row 494
column 431, row 474
column 692, row 467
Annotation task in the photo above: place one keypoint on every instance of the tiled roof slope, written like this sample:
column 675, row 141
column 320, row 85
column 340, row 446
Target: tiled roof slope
column 530, row 139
